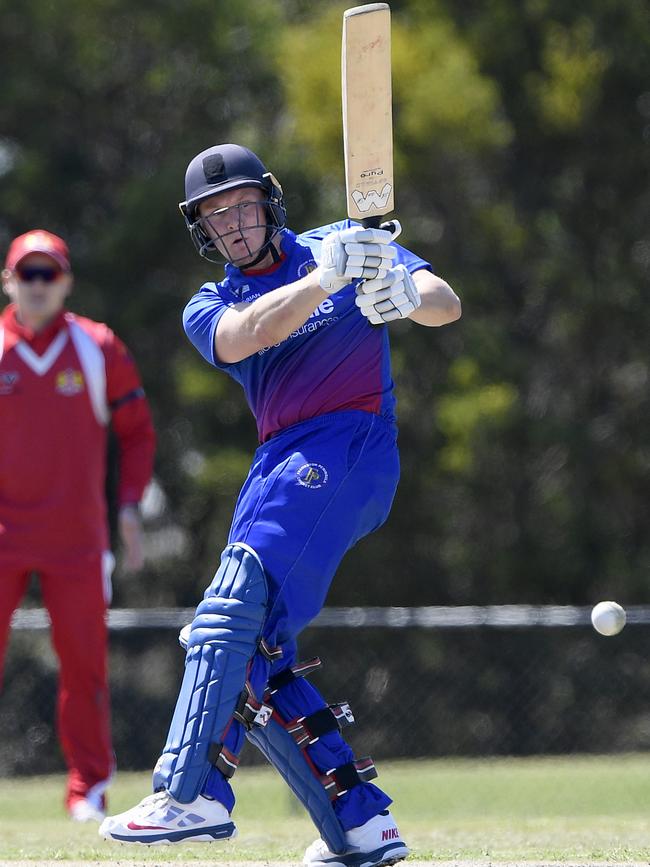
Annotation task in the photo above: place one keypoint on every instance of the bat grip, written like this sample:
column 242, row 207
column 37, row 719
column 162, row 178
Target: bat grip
column 392, row 226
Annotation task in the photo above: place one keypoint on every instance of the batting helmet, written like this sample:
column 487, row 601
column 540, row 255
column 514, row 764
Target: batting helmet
column 228, row 167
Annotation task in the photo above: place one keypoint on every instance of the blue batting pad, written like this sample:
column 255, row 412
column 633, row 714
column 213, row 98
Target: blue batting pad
column 224, row 636
column 275, row 742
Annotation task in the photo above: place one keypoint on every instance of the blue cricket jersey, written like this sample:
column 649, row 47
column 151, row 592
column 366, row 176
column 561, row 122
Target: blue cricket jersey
column 335, row 361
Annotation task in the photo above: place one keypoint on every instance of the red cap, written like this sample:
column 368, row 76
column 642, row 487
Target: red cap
column 38, row 241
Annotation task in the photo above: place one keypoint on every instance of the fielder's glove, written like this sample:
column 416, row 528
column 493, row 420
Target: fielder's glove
column 394, row 296
column 354, row 254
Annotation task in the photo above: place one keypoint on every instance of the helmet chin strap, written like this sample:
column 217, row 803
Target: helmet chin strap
column 267, row 247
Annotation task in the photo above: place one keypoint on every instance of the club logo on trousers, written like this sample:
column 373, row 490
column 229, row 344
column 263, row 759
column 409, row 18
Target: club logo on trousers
column 312, row 476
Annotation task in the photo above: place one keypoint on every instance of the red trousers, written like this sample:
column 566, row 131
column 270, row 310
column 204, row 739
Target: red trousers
column 77, row 604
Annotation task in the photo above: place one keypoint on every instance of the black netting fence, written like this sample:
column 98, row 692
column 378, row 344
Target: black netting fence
column 503, row 680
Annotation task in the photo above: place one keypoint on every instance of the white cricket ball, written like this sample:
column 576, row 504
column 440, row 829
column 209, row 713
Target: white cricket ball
column 608, row 618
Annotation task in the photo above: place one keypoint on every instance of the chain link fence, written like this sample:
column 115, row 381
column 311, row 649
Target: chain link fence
column 434, row 682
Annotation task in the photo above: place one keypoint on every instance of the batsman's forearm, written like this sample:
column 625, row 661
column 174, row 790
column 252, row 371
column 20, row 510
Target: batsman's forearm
column 270, row 319
column 440, row 304
column 274, row 316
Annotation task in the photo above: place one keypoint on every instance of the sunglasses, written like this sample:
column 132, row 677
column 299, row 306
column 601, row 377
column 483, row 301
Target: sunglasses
column 44, row 273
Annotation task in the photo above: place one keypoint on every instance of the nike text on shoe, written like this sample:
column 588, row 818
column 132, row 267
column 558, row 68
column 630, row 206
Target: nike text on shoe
column 374, row 844
column 158, row 818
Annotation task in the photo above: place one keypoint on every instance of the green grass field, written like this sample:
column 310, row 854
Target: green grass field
column 578, row 810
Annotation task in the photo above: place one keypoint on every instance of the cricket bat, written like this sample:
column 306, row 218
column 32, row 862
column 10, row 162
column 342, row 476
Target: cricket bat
column 367, row 112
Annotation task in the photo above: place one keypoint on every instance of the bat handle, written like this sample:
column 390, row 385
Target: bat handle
column 392, row 226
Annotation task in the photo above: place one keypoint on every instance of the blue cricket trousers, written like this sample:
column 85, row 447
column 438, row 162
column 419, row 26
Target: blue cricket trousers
column 312, row 492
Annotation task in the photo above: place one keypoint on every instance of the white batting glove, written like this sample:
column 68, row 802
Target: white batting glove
column 354, row 254
column 394, row 296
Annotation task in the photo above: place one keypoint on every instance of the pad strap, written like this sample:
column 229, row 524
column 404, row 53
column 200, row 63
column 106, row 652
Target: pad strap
column 225, row 761
column 306, row 730
column 268, row 652
column 301, row 669
column 337, row 781
column 250, row 711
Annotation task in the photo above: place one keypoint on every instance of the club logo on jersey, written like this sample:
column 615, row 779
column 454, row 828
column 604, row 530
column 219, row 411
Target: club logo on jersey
column 8, row 381
column 312, row 476
column 306, row 268
column 366, row 201
column 69, row 382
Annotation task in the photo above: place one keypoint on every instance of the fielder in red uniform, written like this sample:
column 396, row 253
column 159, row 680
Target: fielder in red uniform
column 63, row 380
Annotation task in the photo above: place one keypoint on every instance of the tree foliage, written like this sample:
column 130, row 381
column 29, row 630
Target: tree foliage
column 521, row 137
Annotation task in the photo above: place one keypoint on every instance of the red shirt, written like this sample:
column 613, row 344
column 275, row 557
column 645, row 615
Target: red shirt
column 59, row 389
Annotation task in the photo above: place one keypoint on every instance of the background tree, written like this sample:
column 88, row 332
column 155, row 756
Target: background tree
column 522, row 132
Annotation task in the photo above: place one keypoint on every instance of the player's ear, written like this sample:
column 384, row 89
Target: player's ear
column 6, row 277
column 70, row 283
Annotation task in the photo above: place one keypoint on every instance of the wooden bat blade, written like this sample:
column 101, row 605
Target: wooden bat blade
column 367, row 112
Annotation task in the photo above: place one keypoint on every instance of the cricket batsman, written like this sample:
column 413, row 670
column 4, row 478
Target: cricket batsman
column 300, row 321
column 64, row 379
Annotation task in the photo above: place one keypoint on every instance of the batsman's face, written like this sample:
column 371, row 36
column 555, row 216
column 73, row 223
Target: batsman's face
column 236, row 222
column 38, row 287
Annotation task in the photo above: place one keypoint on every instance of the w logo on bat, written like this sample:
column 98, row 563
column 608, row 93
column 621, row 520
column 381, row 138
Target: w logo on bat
column 372, row 198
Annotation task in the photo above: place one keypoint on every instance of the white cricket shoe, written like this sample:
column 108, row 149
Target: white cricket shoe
column 376, row 843
column 159, row 818
column 84, row 810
